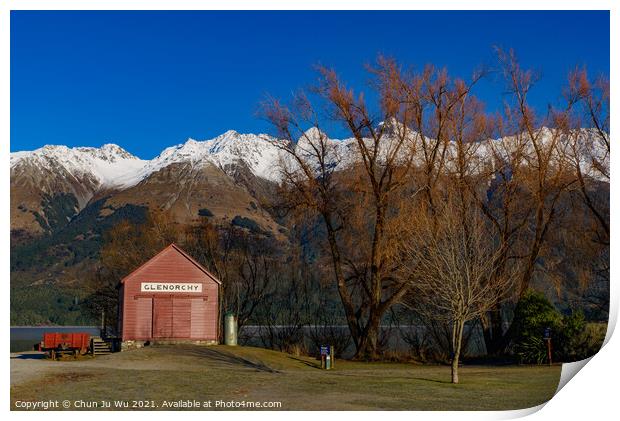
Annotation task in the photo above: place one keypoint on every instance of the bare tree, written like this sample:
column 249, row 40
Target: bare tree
column 367, row 286
column 546, row 176
column 257, row 269
column 585, row 124
column 364, row 210
column 444, row 111
column 283, row 312
column 246, row 265
column 530, row 176
column 451, row 269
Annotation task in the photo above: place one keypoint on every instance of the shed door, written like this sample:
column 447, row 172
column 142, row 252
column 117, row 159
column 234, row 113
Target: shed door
column 162, row 318
column 181, row 318
column 199, row 318
column 144, row 322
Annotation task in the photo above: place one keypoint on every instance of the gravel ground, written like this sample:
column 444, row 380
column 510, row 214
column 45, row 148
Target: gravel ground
column 28, row 366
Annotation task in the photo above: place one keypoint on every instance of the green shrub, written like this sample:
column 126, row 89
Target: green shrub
column 584, row 343
column 532, row 350
column 568, row 339
column 533, row 314
column 572, row 338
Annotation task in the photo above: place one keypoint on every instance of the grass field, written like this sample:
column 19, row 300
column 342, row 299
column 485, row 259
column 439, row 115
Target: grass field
column 221, row 373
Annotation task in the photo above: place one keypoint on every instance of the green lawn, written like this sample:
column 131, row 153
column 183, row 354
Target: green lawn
column 254, row 374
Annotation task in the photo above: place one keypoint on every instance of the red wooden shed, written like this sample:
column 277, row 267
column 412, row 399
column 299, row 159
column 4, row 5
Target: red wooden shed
column 169, row 298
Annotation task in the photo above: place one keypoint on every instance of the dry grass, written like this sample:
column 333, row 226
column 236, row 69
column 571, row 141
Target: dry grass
column 255, row 374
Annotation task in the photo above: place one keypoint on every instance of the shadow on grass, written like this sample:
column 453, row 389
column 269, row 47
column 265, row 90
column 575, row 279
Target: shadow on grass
column 422, row 379
column 308, row 363
column 219, row 356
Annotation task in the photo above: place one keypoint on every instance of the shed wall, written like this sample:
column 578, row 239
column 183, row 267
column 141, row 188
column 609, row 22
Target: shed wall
column 169, row 315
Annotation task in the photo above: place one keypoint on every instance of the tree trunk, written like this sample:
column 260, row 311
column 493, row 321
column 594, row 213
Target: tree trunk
column 457, row 337
column 455, row 369
column 368, row 345
column 493, row 332
column 345, row 298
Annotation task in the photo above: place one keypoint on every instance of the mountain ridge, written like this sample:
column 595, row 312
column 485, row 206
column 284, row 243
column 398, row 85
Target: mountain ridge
column 114, row 167
column 252, row 161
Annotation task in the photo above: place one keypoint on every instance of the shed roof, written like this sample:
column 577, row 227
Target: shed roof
column 183, row 253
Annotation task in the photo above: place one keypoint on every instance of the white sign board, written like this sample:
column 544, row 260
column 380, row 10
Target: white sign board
column 170, row 287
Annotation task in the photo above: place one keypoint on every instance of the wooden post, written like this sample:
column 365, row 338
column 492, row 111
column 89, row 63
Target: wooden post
column 549, row 351
column 102, row 323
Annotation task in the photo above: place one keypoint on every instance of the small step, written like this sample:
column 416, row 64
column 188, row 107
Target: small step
column 100, row 347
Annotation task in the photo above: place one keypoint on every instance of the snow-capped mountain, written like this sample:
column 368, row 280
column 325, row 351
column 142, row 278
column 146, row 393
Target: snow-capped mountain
column 257, row 152
column 104, row 166
column 58, row 182
column 184, row 178
column 112, row 167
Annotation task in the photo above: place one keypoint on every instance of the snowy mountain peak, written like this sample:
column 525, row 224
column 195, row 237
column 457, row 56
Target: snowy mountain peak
column 104, row 165
column 108, row 152
column 228, row 134
column 313, row 133
column 231, row 148
column 110, row 166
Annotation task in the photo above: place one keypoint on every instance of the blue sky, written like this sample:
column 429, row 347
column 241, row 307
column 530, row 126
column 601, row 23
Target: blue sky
column 148, row 80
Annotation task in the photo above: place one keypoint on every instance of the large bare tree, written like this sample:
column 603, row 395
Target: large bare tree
column 401, row 150
column 545, row 172
column 367, row 284
column 451, row 267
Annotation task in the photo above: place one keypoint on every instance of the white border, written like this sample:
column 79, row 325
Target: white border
column 593, row 392
column 308, row 5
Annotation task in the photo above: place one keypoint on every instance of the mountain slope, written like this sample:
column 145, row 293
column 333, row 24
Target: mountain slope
column 52, row 184
column 191, row 192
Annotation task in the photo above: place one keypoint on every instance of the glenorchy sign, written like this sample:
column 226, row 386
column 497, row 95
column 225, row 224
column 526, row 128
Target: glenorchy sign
column 169, row 287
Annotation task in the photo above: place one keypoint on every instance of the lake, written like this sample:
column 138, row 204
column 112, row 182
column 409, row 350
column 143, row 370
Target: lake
column 23, row 338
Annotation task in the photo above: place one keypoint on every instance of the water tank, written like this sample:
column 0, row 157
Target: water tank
column 230, row 329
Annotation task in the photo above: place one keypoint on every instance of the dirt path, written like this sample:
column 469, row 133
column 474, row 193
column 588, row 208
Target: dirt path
column 28, row 366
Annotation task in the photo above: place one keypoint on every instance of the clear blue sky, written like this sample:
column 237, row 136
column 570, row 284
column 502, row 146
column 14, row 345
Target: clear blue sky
column 147, row 80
